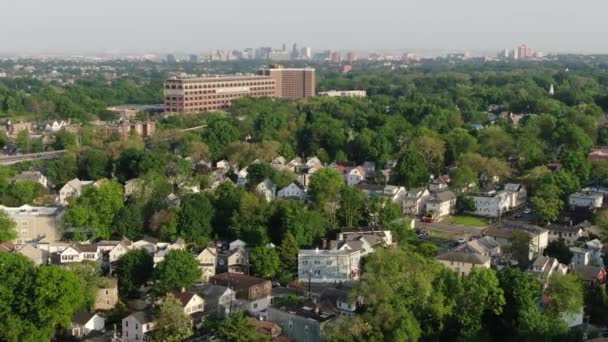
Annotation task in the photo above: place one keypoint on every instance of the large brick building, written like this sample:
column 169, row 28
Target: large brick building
column 213, row 93
column 217, row 93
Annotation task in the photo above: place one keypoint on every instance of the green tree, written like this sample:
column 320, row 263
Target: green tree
column 128, row 222
column 258, row 172
column 134, row 163
column 24, row 141
column 265, row 261
column 219, row 133
column 36, row 301
column 7, row 227
column 566, row 293
column 465, row 204
column 324, row 186
column 240, row 328
column 410, row 171
column 172, row 324
column 559, row 250
column 520, row 247
column 135, row 268
column 89, row 275
column 64, row 140
column 350, row 206
column 194, row 218
column 3, row 139
column 93, row 164
column 179, row 269
column 481, row 295
column 288, row 253
column 547, row 203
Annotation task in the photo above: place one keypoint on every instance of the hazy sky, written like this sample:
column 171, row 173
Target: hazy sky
column 200, row 25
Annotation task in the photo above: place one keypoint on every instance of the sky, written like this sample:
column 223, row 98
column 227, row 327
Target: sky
column 85, row 26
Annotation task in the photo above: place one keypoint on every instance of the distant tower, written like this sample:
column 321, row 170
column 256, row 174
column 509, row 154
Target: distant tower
column 171, row 59
column 284, row 47
column 551, row 90
column 295, row 52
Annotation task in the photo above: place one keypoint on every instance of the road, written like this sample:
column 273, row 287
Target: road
column 450, row 231
column 18, row 158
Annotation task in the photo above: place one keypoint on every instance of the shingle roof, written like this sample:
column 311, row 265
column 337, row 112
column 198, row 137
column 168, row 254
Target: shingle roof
column 589, row 273
column 82, row 317
column 469, row 258
column 183, row 297
column 236, row 281
column 143, row 316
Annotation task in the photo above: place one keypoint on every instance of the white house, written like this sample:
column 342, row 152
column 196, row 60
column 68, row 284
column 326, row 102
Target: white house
column 596, row 246
column 223, row 164
column 582, row 256
column 267, row 189
column 237, row 244
column 394, row 193
column 120, row 249
column 30, row 176
column 355, row 175
column 463, row 263
column 586, row 199
column 492, row 203
column 329, row 266
column 72, row 188
column 414, row 201
column 314, row 162
column 83, row 323
column 207, row 260
column 544, row 267
column 517, row 194
column 570, row 234
column 79, row 253
column 294, row 190
column 193, row 304
column 441, row 204
column 241, row 179
column 138, row 326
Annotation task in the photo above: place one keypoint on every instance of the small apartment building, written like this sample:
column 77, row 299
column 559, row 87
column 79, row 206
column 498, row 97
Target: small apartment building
column 300, row 324
column 570, row 234
column 138, row 327
column 107, row 295
column 581, row 256
column 441, row 204
column 328, row 265
column 414, row 201
column 586, row 199
column 493, row 203
column 252, row 292
column 35, row 223
column 207, row 260
column 463, row 263
column 539, row 237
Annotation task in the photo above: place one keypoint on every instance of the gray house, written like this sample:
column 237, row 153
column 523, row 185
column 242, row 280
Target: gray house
column 300, row 324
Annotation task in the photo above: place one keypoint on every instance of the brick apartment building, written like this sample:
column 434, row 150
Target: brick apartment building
column 217, row 93
column 213, row 93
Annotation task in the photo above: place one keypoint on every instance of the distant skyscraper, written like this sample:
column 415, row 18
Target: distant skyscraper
column 306, row 52
column 294, row 51
column 193, row 58
column 335, row 57
column 171, row 59
column 351, row 57
column 284, row 47
column 524, row 52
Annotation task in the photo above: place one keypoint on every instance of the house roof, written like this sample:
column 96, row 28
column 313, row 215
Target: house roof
column 481, row 245
column 211, row 291
column 35, row 254
column 85, row 248
column 442, row 196
column 507, row 229
column 143, row 317
column 469, row 258
column 6, row 247
column 183, row 297
column 588, row 273
column 82, row 317
column 236, row 280
column 31, row 176
column 264, row 327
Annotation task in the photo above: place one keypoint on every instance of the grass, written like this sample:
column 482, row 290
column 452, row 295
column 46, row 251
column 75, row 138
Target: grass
column 468, row 221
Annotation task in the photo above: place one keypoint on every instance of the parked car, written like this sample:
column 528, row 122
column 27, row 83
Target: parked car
column 527, row 211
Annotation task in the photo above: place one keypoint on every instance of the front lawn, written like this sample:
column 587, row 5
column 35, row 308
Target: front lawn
column 468, row 221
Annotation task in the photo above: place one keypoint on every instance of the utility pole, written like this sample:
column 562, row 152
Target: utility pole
column 309, row 283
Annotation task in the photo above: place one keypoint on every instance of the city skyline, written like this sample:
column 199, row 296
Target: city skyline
column 68, row 26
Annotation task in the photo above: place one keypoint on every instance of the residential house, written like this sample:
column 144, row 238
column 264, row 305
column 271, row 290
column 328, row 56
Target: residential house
column 414, row 201
column 544, row 267
column 79, row 253
column 337, row 300
column 120, row 249
column 314, row 162
column 223, row 164
column 394, row 193
column 237, row 244
column 463, row 263
column 591, row 275
column 438, row 184
column 73, row 188
column 518, row 194
column 581, row 256
column 294, row 190
column 138, row 326
column 36, row 255
column 267, row 189
column 599, row 153
column 329, row 265
column 570, row 234
column 207, row 260
column 30, row 176
column 586, row 199
column 493, row 203
column 220, row 300
column 193, row 304
column 294, row 163
column 238, row 260
column 253, row 293
column 370, row 189
column 375, row 237
column 595, row 246
column 107, row 295
column 300, row 323
column 441, row 204
column 241, row 177
column 539, row 237
column 84, row 323
column 356, row 175
column 279, row 163
column 35, row 223
column 485, row 246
